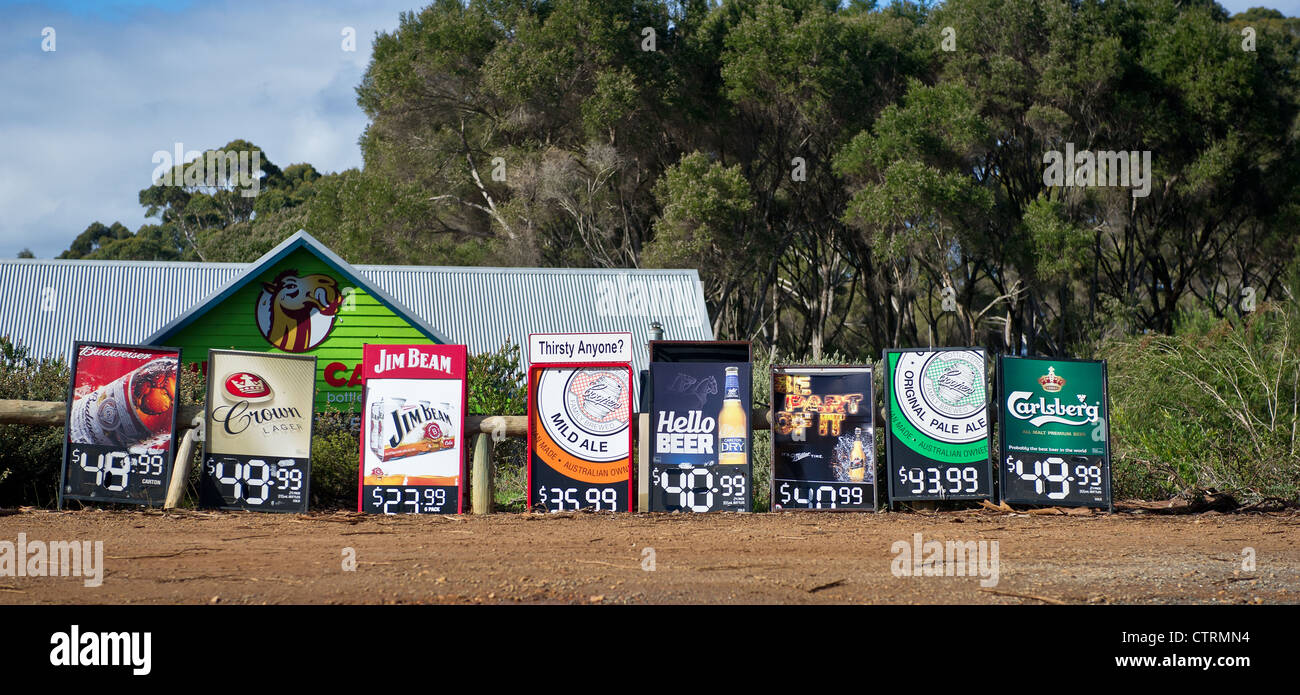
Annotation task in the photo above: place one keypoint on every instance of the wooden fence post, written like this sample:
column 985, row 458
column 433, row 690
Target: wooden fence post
column 482, row 482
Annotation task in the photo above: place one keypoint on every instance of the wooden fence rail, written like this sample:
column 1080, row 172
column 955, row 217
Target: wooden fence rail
column 483, row 430
column 53, row 414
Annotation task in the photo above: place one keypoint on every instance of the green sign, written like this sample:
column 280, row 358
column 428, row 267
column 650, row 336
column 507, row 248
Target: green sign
column 299, row 300
column 938, row 439
column 1054, row 432
column 1054, row 406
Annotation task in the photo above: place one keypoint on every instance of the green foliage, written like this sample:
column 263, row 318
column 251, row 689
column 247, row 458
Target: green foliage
column 1211, row 407
column 495, row 388
column 30, row 455
column 335, row 451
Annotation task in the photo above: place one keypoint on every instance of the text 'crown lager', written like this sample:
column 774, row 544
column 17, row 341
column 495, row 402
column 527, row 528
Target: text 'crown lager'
column 732, row 423
column 858, row 458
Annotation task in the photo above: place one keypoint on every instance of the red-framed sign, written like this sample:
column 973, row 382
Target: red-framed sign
column 580, row 421
column 413, row 434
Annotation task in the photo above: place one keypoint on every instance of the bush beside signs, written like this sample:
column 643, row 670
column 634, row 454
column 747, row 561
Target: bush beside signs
column 938, row 442
column 580, row 421
column 121, row 423
column 258, row 424
column 823, row 438
column 1054, row 432
column 413, row 438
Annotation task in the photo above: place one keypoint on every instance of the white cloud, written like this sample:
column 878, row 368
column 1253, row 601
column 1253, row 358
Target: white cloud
column 79, row 126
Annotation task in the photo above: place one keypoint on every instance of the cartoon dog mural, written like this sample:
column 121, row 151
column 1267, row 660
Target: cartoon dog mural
column 296, row 312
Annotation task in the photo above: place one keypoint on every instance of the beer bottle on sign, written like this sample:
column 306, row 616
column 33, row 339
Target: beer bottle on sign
column 732, row 423
column 858, row 458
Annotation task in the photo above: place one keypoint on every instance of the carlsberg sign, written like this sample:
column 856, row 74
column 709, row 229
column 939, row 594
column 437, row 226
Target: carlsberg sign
column 1053, row 406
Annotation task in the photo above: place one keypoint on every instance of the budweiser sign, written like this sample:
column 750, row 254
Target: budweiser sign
column 92, row 351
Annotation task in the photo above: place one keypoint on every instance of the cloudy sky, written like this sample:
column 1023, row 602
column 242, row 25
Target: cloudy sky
column 79, row 125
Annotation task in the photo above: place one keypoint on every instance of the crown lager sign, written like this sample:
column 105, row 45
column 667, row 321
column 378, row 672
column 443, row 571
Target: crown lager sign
column 1055, row 440
column 258, row 424
column 938, row 440
column 580, row 421
column 823, row 438
column 121, row 423
column 412, row 444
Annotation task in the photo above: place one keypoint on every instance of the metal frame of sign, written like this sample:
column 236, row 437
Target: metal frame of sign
column 659, row 349
column 871, row 415
column 535, row 368
column 463, row 356
column 1002, row 434
column 889, row 454
column 207, row 424
column 67, row 436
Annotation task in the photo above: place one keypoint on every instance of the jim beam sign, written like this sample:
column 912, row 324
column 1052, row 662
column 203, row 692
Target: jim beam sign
column 257, row 448
column 579, row 421
column 937, row 446
column 413, row 440
column 121, row 423
column 1054, row 432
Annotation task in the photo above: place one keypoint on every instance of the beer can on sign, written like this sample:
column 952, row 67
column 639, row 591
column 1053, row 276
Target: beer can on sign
column 118, row 414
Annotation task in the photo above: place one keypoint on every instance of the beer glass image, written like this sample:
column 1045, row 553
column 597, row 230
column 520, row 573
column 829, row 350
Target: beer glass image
column 135, row 409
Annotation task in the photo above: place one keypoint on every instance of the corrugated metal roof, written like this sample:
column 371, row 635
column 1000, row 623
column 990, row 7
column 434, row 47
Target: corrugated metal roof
column 50, row 303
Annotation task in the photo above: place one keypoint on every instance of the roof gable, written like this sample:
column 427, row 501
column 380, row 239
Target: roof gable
column 299, row 240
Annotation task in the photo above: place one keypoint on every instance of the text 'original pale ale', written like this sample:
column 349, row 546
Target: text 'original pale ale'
column 732, row 423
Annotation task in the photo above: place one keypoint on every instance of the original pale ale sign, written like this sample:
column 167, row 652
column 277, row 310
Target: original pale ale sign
column 413, row 438
column 937, row 446
column 823, row 438
column 1055, row 440
column 580, row 421
column 258, row 425
column 121, row 423
column 700, row 437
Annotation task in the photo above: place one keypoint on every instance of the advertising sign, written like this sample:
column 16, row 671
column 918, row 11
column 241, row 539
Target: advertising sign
column 1054, row 431
column 413, row 441
column 700, row 452
column 580, row 421
column 938, row 442
column 257, row 448
column 823, row 438
column 121, row 428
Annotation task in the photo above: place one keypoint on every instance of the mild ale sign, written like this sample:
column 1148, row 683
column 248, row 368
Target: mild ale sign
column 580, row 421
column 1054, row 432
column 938, row 442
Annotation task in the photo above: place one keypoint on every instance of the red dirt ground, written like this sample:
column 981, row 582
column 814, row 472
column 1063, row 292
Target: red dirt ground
column 792, row 557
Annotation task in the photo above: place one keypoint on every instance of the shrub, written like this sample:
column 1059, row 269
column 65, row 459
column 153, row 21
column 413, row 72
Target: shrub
column 1214, row 406
column 497, row 387
column 30, row 454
